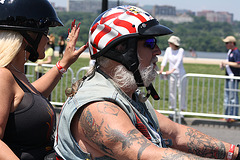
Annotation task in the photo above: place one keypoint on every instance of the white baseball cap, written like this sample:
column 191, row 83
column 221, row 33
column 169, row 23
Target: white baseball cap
column 174, row 40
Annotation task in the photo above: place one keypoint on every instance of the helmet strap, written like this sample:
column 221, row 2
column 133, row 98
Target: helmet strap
column 32, row 45
column 151, row 91
column 130, row 60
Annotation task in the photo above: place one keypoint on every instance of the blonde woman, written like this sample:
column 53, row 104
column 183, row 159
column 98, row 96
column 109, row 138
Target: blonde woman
column 27, row 119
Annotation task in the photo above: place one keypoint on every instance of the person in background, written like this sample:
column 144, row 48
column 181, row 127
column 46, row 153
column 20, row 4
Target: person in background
column 174, row 55
column 39, row 70
column 232, row 67
column 192, row 52
column 27, row 119
column 61, row 43
column 52, row 41
column 106, row 117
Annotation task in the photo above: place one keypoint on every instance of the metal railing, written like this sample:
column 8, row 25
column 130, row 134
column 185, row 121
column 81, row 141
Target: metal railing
column 58, row 96
column 204, row 94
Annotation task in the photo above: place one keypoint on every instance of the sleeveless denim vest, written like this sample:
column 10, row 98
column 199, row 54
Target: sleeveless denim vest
column 100, row 87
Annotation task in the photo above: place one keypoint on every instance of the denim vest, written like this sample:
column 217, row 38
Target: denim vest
column 101, row 88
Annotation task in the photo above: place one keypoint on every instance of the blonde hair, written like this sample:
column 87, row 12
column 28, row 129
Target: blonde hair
column 10, row 45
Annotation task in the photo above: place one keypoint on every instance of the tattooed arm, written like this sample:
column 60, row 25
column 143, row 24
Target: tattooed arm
column 105, row 131
column 190, row 140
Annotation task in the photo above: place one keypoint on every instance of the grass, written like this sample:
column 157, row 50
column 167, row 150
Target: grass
column 196, row 102
column 204, row 95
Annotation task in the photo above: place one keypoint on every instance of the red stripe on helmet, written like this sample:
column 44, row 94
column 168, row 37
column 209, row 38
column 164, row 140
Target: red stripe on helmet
column 105, row 19
column 114, row 38
column 126, row 25
column 139, row 16
column 94, row 27
column 102, row 33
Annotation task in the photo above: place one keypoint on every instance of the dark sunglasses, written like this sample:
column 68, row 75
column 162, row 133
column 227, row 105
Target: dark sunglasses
column 150, row 43
column 226, row 42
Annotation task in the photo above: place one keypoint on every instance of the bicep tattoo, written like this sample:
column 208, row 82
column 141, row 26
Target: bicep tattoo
column 127, row 140
column 108, row 109
column 96, row 132
column 92, row 131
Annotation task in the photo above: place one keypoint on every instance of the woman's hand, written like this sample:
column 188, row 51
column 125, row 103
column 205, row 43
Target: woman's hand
column 71, row 54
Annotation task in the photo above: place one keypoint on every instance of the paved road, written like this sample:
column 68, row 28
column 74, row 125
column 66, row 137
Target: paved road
column 228, row 132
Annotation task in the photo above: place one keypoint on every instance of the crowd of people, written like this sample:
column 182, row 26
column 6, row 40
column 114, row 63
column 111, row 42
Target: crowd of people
column 106, row 116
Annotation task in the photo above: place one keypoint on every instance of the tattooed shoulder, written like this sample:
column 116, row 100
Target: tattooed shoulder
column 108, row 108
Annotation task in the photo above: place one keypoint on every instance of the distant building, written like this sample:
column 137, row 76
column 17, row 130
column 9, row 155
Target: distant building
column 183, row 18
column 185, row 11
column 164, row 10
column 57, row 8
column 212, row 16
column 92, row 6
column 169, row 13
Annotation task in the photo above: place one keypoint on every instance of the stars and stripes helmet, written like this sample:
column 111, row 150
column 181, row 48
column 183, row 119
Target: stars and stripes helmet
column 124, row 24
column 119, row 23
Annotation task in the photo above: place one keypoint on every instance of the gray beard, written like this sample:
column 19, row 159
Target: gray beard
column 125, row 78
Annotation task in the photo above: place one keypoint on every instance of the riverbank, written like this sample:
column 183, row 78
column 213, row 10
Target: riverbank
column 185, row 59
column 198, row 60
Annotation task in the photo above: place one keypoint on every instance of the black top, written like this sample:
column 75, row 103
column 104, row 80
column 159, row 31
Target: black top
column 234, row 56
column 29, row 130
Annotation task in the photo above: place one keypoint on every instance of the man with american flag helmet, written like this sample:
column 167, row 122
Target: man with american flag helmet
column 107, row 117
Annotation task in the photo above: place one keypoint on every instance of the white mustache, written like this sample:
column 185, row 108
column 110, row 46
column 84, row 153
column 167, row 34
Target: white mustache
column 154, row 60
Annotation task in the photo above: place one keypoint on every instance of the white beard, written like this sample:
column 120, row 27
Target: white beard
column 125, row 78
column 148, row 74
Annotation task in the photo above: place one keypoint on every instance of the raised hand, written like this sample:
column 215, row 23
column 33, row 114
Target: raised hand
column 71, row 53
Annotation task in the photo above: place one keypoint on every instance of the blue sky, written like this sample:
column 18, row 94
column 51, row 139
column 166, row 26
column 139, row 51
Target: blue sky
column 231, row 6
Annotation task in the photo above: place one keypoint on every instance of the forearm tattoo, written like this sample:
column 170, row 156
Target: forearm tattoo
column 93, row 131
column 204, row 146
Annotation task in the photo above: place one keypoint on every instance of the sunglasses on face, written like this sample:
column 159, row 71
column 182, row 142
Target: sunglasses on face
column 150, row 43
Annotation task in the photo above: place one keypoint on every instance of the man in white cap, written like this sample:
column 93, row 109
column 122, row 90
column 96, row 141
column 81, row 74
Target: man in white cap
column 232, row 65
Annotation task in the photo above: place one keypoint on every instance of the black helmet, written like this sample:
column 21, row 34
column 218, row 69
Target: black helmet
column 28, row 15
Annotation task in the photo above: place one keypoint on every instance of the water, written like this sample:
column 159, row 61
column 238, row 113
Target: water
column 208, row 55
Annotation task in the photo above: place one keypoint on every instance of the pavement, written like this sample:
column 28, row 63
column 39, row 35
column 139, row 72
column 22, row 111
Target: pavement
column 220, row 129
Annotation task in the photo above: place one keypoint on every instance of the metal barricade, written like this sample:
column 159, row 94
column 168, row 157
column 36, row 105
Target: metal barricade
column 205, row 95
column 161, row 85
column 58, row 96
